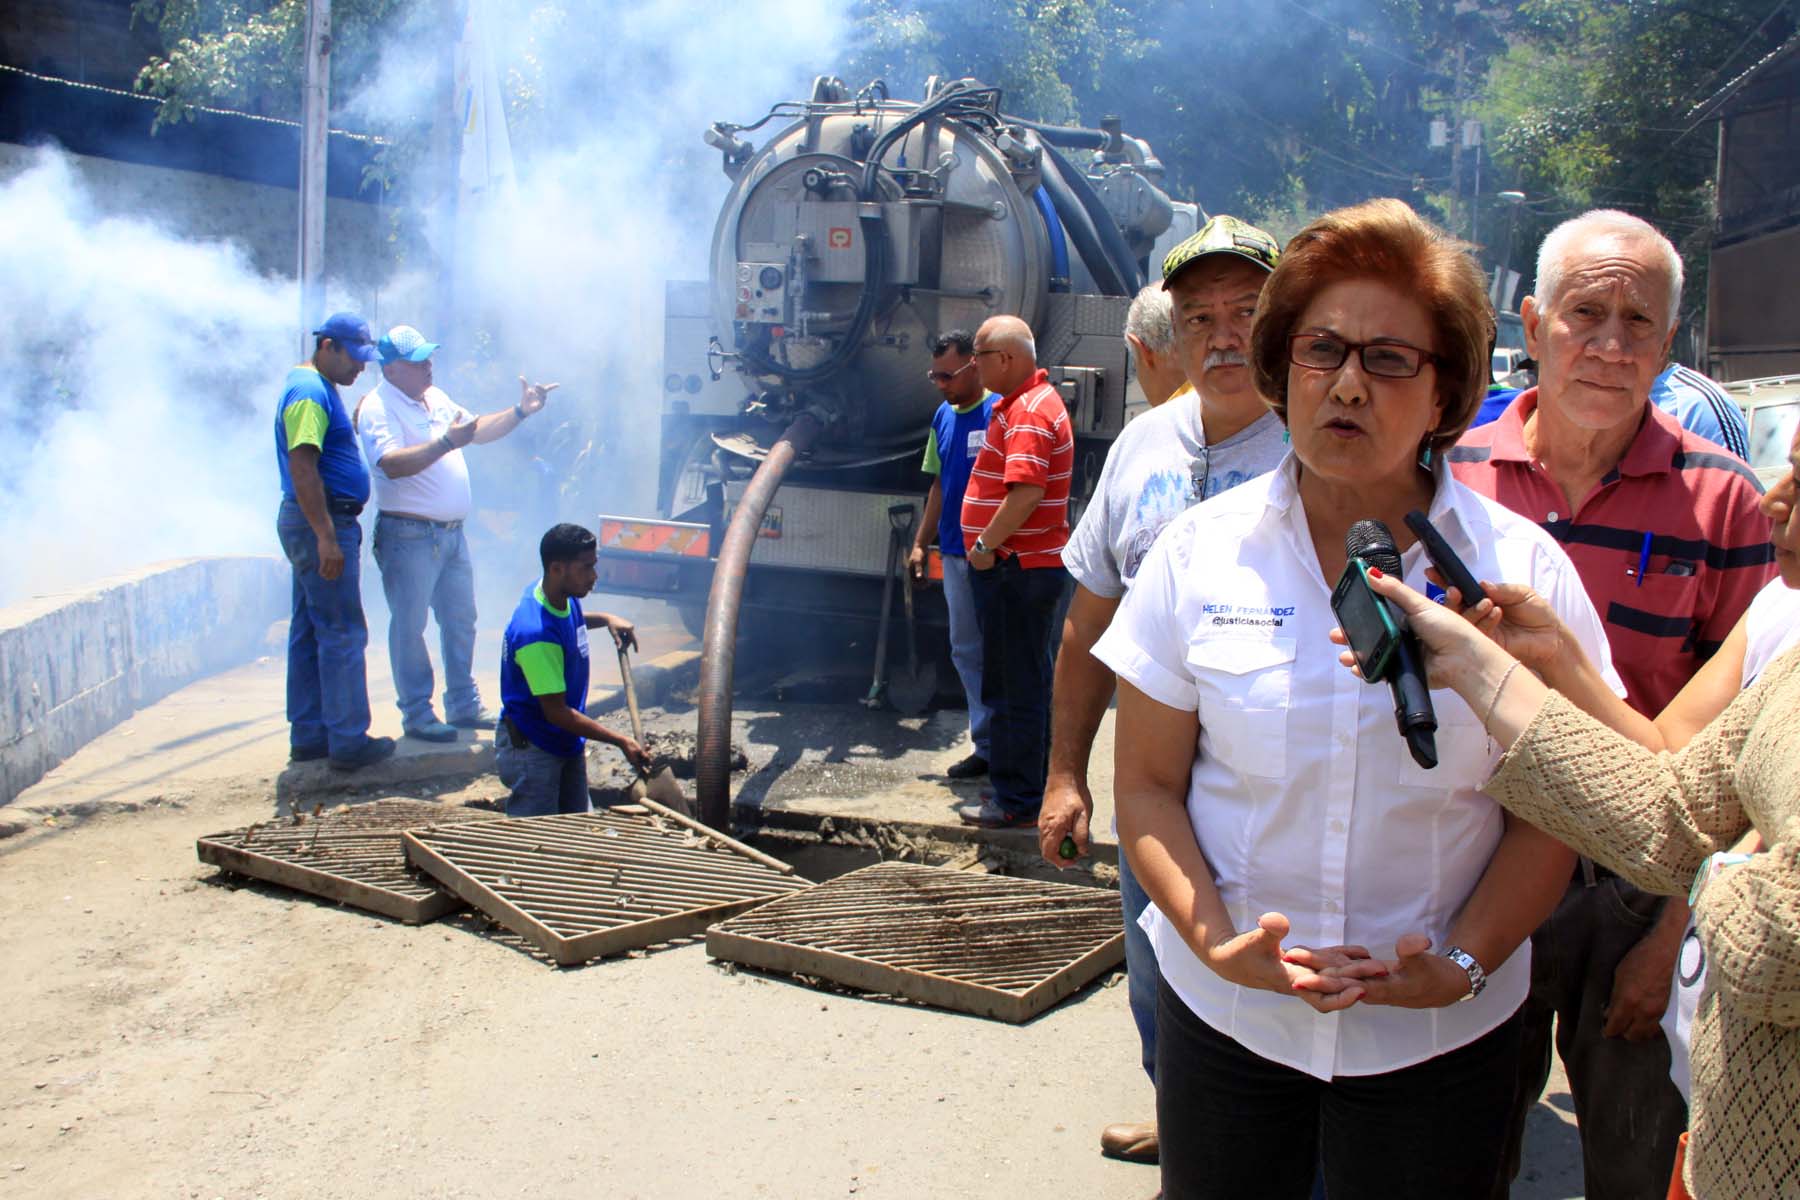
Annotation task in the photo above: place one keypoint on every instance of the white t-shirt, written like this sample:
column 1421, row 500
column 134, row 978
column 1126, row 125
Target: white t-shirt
column 1771, row 627
column 1153, row 473
column 1303, row 797
column 388, row 420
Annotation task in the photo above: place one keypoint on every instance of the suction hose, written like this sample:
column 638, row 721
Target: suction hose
column 712, row 755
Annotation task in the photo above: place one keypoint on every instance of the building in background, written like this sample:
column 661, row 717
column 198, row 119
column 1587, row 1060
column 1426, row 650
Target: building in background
column 1751, row 329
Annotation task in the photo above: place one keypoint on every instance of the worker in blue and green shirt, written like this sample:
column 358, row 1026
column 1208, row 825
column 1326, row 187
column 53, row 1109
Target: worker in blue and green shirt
column 540, row 745
column 324, row 486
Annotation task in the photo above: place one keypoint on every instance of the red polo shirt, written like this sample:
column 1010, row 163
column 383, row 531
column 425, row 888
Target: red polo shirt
column 1709, row 546
column 1029, row 440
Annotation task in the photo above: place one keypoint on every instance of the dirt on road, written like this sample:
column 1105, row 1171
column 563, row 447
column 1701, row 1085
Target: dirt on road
column 171, row 1032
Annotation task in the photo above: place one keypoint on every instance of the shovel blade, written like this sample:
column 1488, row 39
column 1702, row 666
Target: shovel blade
column 666, row 790
column 911, row 689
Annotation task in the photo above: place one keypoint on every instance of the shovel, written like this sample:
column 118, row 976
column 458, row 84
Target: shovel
column 911, row 688
column 661, row 787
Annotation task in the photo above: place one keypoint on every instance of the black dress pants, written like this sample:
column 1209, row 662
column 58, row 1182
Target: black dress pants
column 1020, row 612
column 1234, row 1124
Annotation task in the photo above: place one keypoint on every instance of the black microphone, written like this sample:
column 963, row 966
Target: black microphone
column 1373, row 542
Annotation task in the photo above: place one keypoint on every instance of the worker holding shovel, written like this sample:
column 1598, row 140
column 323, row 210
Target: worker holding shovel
column 540, row 745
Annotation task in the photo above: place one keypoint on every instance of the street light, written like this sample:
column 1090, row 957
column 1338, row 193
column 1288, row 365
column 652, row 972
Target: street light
column 1516, row 201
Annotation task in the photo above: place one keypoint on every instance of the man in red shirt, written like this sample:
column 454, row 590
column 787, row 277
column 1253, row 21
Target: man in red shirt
column 1664, row 529
column 1015, row 520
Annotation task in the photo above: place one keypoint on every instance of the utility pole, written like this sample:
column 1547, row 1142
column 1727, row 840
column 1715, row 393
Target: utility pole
column 1457, row 224
column 315, row 134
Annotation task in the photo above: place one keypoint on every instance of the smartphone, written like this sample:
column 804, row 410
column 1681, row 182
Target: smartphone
column 1442, row 557
column 1366, row 620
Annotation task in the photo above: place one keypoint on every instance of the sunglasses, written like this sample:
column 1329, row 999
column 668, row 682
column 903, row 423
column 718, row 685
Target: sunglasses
column 946, row 376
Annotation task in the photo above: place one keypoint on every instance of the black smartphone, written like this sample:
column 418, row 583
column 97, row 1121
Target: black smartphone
column 1442, row 557
column 1366, row 620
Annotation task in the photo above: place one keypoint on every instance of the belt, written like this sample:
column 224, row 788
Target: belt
column 385, row 515
column 348, row 508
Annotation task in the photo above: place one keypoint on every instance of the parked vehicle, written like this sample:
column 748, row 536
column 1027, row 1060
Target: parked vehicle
column 1771, row 408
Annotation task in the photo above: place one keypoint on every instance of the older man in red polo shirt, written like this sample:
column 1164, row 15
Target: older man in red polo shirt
column 1664, row 529
column 1015, row 519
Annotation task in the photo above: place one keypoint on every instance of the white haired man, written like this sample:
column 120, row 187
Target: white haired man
column 413, row 435
column 1150, row 333
column 1664, row 528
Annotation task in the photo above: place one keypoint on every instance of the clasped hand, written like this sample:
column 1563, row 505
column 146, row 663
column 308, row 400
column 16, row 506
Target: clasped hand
column 1333, row 978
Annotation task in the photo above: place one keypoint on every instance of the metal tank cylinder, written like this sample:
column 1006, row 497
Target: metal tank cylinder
column 958, row 235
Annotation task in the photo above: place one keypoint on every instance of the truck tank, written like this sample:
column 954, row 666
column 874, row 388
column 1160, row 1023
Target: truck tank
column 795, row 402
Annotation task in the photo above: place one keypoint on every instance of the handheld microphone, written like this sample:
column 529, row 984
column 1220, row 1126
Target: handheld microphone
column 1373, row 542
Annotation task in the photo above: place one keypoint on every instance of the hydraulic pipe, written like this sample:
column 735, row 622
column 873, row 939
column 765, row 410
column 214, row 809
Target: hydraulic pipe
column 712, row 755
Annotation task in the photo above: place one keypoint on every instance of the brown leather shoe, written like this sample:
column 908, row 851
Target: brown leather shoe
column 1131, row 1141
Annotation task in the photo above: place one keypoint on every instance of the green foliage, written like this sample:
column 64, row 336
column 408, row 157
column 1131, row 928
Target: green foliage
column 1275, row 109
column 1589, row 107
column 247, row 56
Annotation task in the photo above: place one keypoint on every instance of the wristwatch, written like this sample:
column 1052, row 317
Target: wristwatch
column 982, row 547
column 1465, row 960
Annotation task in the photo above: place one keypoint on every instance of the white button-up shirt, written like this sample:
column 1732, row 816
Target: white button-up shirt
column 388, row 420
column 1303, row 797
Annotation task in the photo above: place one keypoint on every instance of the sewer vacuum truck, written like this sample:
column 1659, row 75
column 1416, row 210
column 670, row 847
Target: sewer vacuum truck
column 795, row 404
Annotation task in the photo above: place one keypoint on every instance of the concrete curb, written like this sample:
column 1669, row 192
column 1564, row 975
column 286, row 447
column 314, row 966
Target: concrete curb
column 414, row 761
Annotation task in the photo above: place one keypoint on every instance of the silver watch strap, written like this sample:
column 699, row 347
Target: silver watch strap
column 1465, row 960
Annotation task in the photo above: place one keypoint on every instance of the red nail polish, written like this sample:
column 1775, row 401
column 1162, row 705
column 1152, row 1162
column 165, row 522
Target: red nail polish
column 1375, row 572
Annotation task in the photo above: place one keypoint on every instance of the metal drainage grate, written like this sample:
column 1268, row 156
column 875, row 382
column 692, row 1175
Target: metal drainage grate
column 351, row 855
column 586, row 885
column 991, row 945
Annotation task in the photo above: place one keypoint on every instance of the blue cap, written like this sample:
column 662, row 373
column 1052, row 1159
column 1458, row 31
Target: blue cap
column 351, row 332
column 404, row 342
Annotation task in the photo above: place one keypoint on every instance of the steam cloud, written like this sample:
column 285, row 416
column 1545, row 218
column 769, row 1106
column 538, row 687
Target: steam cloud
column 139, row 376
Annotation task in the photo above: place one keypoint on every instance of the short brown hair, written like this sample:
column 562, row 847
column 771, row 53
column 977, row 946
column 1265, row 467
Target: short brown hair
column 1386, row 240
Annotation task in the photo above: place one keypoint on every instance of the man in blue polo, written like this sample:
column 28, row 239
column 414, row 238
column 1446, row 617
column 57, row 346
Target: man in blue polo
column 956, row 432
column 540, row 745
column 324, row 486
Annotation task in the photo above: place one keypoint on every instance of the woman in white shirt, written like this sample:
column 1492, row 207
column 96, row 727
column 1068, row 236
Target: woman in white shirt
column 1265, row 797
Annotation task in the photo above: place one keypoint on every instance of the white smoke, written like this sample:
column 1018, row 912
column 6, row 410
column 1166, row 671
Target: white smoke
column 140, row 370
column 135, row 389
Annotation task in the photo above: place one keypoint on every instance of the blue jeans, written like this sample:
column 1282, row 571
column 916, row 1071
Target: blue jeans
column 327, row 689
column 543, row 784
column 1141, row 972
column 965, row 645
column 1020, row 612
column 425, row 565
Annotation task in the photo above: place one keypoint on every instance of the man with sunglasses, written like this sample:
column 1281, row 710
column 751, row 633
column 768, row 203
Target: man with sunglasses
column 1210, row 436
column 324, row 486
column 956, row 432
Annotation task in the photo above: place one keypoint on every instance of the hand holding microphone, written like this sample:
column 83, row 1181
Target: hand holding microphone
column 1384, row 644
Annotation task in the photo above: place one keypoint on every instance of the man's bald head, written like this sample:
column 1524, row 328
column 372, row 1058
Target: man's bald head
column 1005, row 354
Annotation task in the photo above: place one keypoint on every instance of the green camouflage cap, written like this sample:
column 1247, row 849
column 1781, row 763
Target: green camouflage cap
column 1222, row 235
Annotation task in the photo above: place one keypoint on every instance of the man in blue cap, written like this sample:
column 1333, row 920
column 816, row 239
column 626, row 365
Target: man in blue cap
column 324, row 486
column 413, row 435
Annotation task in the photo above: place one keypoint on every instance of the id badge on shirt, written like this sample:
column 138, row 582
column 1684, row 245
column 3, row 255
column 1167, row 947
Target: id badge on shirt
column 581, row 642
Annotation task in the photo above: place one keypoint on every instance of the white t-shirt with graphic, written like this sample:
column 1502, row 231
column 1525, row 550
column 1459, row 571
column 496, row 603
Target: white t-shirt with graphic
column 1155, row 471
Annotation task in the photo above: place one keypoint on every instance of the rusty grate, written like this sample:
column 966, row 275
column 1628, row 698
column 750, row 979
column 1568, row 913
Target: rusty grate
column 352, row 855
column 991, row 945
column 585, row 885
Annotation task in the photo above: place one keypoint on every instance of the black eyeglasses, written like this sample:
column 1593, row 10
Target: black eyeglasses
column 1389, row 360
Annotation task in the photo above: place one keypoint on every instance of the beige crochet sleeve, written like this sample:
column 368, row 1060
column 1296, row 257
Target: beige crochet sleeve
column 1653, row 818
column 1749, row 922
